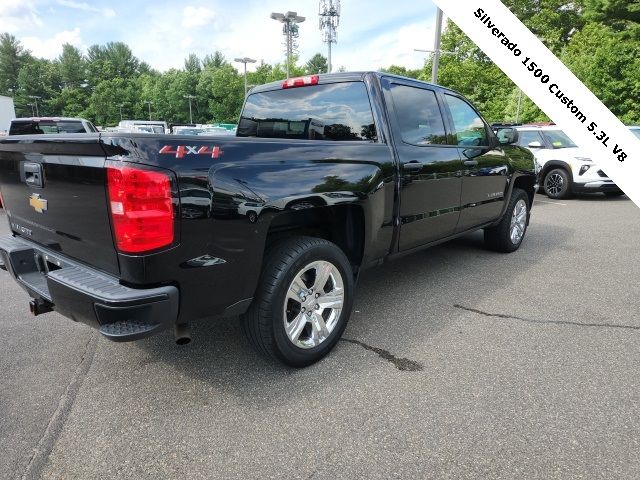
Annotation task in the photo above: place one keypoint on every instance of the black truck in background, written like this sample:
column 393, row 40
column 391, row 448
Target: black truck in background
column 328, row 175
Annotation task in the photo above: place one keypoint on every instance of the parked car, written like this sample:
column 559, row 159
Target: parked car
column 635, row 131
column 144, row 126
column 330, row 175
column 50, row 126
column 563, row 168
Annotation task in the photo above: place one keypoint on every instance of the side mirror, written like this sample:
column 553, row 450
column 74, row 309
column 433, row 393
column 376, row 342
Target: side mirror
column 535, row 144
column 507, row 136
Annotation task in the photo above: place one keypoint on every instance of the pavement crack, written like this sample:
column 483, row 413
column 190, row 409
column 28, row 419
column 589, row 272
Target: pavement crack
column 43, row 448
column 403, row 364
column 553, row 322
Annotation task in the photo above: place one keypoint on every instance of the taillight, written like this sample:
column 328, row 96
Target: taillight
column 141, row 208
column 301, row 81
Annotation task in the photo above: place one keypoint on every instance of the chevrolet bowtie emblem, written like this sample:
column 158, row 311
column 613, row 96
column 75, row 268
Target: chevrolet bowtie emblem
column 38, row 203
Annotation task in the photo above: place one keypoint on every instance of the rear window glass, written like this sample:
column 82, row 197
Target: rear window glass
column 45, row 127
column 336, row 111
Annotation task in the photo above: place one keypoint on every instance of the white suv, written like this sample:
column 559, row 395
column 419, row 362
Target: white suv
column 562, row 167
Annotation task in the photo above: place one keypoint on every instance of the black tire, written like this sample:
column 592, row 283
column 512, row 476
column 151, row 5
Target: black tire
column 557, row 184
column 613, row 194
column 264, row 322
column 498, row 238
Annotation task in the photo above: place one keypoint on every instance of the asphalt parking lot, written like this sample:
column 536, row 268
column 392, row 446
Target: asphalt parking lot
column 459, row 363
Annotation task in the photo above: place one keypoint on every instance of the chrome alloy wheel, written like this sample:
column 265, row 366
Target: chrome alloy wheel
column 554, row 183
column 313, row 304
column 518, row 222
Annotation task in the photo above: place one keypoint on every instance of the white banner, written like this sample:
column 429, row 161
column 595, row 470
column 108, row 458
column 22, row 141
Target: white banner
column 552, row 86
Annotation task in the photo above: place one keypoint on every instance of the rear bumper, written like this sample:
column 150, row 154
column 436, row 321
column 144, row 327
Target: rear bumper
column 86, row 295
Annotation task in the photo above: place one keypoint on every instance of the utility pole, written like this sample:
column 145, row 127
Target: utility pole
column 329, row 12
column 148, row 102
column 436, row 47
column 245, row 60
column 289, row 30
column 36, row 98
column 190, row 97
column 519, row 104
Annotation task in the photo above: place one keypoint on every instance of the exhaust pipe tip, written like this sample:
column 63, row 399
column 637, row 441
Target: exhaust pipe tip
column 182, row 333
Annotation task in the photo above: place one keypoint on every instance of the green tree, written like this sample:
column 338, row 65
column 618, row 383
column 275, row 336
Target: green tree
column 216, row 60
column 12, row 58
column 72, row 67
column 608, row 62
column 192, row 64
column 316, row 64
column 221, row 91
column 403, row 71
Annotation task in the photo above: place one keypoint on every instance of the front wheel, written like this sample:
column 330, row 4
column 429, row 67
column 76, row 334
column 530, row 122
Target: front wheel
column 303, row 301
column 507, row 236
column 557, row 184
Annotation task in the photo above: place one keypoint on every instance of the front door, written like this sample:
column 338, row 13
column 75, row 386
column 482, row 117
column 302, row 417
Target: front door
column 486, row 166
column 430, row 169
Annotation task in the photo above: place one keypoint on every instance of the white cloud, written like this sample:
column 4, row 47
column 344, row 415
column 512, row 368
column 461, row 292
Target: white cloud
column 17, row 15
column 197, row 16
column 107, row 12
column 52, row 47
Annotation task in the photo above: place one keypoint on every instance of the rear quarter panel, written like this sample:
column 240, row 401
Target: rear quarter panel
column 229, row 199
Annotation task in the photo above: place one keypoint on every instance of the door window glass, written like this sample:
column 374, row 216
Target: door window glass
column 525, row 137
column 418, row 115
column 470, row 130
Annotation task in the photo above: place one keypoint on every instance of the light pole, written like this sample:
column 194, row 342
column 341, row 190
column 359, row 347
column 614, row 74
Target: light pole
column 35, row 99
column 122, row 105
column 245, row 60
column 33, row 112
column 289, row 19
column 148, row 102
column 190, row 97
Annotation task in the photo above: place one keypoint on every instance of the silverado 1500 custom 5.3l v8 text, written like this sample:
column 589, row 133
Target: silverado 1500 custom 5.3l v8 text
column 329, row 174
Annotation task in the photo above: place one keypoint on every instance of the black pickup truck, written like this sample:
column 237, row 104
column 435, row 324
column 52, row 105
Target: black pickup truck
column 328, row 175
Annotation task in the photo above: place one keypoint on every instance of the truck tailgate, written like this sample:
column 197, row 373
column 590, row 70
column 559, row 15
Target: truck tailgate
column 54, row 194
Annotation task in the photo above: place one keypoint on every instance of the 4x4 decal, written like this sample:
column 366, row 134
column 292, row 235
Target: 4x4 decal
column 181, row 151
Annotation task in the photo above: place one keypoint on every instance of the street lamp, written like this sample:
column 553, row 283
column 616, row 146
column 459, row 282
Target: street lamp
column 36, row 98
column 289, row 19
column 33, row 112
column 190, row 97
column 245, row 60
column 122, row 105
column 148, row 102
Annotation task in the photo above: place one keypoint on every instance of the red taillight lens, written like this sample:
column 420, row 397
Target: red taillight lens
column 301, row 81
column 141, row 208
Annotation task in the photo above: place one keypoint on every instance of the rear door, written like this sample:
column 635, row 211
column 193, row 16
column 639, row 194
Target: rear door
column 430, row 167
column 54, row 194
column 486, row 166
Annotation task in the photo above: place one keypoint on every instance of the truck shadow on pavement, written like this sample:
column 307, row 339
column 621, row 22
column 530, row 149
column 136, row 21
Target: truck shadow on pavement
column 398, row 308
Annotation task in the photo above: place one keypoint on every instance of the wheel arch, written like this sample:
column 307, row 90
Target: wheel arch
column 343, row 225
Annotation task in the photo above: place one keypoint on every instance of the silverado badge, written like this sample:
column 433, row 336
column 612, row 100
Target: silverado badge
column 38, row 203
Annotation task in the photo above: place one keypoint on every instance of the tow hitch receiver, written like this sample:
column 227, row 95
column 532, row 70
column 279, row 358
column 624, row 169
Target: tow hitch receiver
column 38, row 307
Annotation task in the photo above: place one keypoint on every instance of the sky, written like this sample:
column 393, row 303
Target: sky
column 371, row 34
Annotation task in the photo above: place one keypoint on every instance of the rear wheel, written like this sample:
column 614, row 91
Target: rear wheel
column 507, row 236
column 303, row 301
column 557, row 184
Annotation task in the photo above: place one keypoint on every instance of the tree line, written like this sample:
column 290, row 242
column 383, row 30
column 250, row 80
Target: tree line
column 599, row 40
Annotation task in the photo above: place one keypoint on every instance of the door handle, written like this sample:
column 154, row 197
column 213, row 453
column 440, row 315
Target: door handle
column 413, row 165
column 470, row 163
